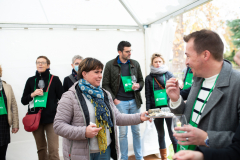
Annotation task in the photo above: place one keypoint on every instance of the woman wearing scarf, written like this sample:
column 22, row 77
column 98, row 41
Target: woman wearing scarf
column 72, row 78
column 156, row 97
column 45, row 98
column 87, row 117
column 8, row 115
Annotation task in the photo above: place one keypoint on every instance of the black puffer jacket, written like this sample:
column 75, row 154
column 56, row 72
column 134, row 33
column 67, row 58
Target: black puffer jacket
column 150, row 102
column 54, row 94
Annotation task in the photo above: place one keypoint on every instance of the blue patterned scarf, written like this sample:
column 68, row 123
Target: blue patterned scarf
column 102, row 113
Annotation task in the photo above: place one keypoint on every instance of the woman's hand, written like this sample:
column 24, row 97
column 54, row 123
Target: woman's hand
column 144, row 118
column 15, row 130
column 188, row 155
column 92, row 131
column 172, row 89
column 37, row 92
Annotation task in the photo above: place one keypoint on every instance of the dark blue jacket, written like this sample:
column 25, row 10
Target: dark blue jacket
column 150, row 102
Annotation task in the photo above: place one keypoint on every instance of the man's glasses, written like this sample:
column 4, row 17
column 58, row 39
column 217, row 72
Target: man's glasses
column 41, row 63
column 128, row 52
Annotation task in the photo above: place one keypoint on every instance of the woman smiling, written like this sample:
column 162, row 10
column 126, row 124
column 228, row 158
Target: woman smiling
column 87, row 117
column 45, row 97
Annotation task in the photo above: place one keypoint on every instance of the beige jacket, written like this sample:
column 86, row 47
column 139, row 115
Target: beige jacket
column 12, row 108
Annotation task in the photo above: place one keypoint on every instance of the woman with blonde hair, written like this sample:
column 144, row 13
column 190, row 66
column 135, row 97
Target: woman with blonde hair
column 156, row 97
column 8, row 115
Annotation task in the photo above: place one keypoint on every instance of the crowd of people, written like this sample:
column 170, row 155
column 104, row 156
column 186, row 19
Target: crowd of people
column 87, row 114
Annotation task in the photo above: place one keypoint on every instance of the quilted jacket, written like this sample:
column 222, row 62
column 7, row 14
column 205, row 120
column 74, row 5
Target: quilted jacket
column 112, row 76
column 71, row 121
column 12, row 108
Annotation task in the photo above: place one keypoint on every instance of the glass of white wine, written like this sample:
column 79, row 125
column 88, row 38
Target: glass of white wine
column 178, row 121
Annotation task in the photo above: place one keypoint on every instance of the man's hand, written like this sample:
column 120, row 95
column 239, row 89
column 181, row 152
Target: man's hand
column 188, row 155
column 144, row 118
column 194, row 135
column 15, row 130
column 135, row 86
column 37, row 92
column 92, row 131
column 172, row 89
column 181, row 86
column 116, row 101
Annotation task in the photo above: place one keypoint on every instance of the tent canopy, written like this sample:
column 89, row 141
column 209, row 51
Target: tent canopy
column 128, row 14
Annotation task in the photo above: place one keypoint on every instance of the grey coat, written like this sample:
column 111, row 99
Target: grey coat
column 220, row 118
column 70, row 123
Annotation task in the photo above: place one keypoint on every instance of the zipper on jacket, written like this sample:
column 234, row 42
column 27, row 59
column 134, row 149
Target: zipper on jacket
column 71, row 150
column 84, row 118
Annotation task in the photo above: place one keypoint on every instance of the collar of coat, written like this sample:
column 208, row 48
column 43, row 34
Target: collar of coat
column 115, row 62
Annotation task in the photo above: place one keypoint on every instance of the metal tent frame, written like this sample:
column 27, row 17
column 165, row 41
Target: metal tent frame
column 139, row 25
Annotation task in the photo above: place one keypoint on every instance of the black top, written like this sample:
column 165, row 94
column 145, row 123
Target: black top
column 54, row 94
column 122, row 95
column 4, row 126
column 67, row 82
column 150, row 102
column 232, row 152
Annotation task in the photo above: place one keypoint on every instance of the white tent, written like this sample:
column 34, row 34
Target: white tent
column 61, row 29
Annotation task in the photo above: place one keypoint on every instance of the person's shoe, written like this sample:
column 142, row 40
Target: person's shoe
column 163, row 153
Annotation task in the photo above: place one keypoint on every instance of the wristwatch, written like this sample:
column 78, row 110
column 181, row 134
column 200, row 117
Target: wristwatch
column 207, row 141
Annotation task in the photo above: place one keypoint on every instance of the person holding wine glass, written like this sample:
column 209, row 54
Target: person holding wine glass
column 214, row 96
column 44, row 90
column 156, row 97
column 123, row 79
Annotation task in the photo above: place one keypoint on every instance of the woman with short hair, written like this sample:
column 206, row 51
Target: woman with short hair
column 156, row 97
column 8, row 115
column 87, row 118
column 47, row 149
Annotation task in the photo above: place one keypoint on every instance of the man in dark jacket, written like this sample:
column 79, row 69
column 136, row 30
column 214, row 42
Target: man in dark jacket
column 72, row 78
column 118, row 79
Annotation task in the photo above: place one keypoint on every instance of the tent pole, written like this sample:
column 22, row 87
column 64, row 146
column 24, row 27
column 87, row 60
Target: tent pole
column 132, row 15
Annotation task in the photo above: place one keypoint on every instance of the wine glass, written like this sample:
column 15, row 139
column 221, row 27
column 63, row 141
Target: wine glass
column 178, row 121
column 41, row 84
column 134, row 79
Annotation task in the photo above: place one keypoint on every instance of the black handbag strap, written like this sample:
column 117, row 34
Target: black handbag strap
column 72, row 78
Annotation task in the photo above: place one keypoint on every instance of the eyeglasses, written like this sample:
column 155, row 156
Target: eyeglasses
column 41, row 63
column 128, row 52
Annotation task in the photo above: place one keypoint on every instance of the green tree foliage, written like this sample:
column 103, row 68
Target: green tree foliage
column 230, row 57
column 235, row 29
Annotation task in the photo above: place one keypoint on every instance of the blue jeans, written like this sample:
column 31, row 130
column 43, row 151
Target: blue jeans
column 102, row 156
column 129, row 107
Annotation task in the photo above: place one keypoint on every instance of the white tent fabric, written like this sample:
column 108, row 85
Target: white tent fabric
column 20, row 48
column 92, row 12
column 159, row 39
